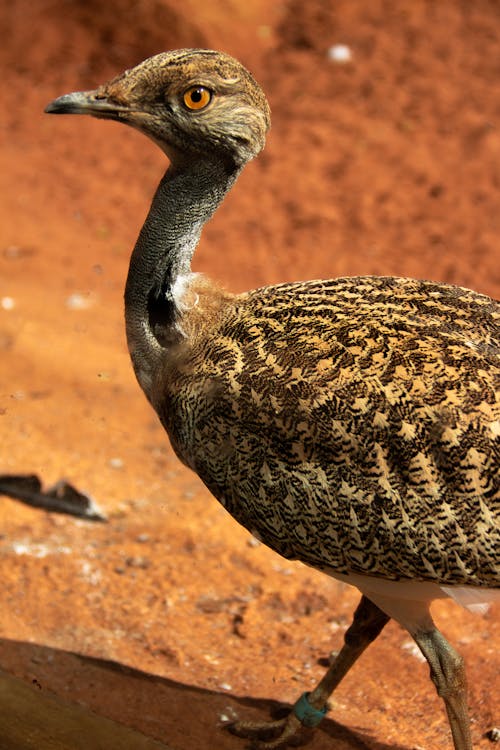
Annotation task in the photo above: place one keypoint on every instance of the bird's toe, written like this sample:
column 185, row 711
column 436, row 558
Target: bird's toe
column 270, row 735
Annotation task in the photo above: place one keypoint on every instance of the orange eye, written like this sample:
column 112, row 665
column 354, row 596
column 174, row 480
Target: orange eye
column 197, row 97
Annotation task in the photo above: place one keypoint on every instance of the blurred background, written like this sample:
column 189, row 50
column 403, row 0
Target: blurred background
column 383, row 158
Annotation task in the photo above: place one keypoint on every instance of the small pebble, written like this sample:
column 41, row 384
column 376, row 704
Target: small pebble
column 116, row 463
column 211, row 658
column 79, row 301
column 284, row 571
column 225, row 686
column 7, row 303
column 340, row 53
column 138, row 562
column 229, row 715
column 493, row 734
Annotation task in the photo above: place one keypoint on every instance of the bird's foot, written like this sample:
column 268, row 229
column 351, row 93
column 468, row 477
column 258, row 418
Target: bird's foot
column 269, row 735
column 286, row 732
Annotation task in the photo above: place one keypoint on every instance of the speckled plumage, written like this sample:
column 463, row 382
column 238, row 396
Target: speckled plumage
column 353, row 424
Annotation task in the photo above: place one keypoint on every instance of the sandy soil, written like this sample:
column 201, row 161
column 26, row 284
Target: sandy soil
column 170, row 617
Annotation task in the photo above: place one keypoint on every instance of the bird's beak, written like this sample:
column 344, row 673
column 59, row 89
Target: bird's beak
column 94, row 103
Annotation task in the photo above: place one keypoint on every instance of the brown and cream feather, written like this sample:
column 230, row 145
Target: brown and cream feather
column 351, row 424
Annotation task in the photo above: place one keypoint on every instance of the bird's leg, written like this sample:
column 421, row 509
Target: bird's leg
column 448, row 675
column 367, row 623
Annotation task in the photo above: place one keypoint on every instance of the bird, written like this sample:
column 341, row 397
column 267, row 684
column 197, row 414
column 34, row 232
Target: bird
column 352, row 424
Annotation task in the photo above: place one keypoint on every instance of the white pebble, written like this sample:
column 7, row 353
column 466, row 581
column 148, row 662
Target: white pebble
column 79, row 301
column 8, row 303
column 39, row 550
column 116, row 463
column 229, row 715
column 209, row 657
column 340, row 53
column 225, row 686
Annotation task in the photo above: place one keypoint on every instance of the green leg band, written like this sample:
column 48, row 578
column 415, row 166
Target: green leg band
column 306, row 714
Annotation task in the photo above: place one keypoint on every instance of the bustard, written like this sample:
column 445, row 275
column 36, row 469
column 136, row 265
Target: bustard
column 353, row 424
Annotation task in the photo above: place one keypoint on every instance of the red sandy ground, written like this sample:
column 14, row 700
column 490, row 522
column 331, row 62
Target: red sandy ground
column 385, row 165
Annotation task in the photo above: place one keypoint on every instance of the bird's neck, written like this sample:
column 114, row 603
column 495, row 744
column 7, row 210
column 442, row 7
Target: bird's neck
column 184, row 200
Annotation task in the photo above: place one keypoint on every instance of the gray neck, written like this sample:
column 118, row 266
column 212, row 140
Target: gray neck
column 184, row 200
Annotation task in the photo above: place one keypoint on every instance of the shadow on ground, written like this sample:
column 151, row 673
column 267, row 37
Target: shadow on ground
column 52, row 696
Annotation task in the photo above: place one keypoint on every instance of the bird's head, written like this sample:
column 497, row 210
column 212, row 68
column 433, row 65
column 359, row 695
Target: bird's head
column 193, row 103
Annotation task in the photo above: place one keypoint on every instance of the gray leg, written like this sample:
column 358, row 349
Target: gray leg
column 367, row 623
column 448, row 675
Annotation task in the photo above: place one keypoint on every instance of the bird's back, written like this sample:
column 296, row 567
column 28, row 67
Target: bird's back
column 352, row 424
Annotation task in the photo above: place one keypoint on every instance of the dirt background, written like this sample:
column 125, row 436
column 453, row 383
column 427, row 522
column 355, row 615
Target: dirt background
column 170, row 617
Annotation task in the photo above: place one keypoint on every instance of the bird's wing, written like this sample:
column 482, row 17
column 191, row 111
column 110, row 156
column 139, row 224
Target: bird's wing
column 355, row 424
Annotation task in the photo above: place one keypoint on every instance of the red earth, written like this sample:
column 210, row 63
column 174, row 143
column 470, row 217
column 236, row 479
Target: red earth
column 170, row 617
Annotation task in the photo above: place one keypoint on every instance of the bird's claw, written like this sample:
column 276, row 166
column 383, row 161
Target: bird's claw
column 270, row 735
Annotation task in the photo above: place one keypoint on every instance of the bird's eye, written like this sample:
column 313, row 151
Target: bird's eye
column 197, row 97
